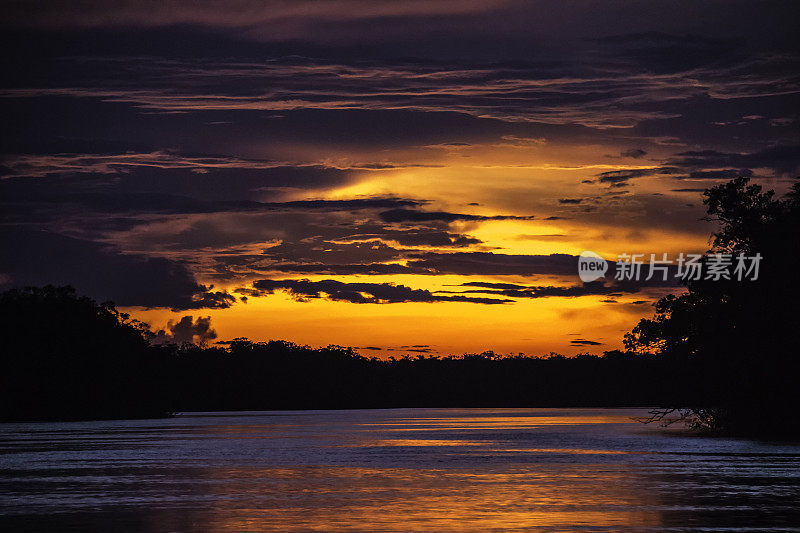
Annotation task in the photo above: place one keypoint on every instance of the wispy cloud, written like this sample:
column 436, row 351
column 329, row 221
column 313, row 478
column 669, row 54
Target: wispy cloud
column 600, row 96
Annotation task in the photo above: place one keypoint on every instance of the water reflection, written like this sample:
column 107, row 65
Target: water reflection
column 391, row 470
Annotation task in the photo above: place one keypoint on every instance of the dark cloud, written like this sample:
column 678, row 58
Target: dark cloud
column 635, row 153
column 493, row 285
column 462, row 263
column 346, row 205
column 378, row 269
column 679, row 168
column 165, row 128
column 723, row 175
column 374, row 293
column 488, row 263
column 35, row 257
column 319, row 250
column 209, row 300
column 584, row 342
column 140, row 192
column 783, row 159
column 621, row 176
column 169, row 172
column 422, row 237
column 511, row 290
column 410, row 215
column 187, row 330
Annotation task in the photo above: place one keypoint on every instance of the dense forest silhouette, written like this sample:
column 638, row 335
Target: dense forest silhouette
column 739, row 337
column 68, row 357
column 721, row 356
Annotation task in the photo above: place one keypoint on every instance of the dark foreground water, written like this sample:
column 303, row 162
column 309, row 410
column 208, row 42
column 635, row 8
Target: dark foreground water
column 391, row 470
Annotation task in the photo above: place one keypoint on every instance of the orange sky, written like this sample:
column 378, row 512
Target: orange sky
column 413, row 177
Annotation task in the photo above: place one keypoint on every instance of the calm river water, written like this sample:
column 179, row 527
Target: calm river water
column 391, row 470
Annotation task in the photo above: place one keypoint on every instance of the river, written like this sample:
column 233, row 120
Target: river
column 392, row 470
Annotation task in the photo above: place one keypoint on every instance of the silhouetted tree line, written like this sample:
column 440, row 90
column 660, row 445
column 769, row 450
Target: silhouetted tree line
column 67, row 357
column 282, row 375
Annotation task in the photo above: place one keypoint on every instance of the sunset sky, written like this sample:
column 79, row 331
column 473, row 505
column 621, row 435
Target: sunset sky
column 404, row 177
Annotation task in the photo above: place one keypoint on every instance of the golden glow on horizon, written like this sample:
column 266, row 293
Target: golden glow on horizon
column 516, row 177
column 530, row 326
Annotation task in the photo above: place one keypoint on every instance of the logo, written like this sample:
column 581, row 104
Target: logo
column 591, row 266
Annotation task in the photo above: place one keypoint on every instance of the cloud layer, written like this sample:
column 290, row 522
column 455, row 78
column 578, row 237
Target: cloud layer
column 163, row 155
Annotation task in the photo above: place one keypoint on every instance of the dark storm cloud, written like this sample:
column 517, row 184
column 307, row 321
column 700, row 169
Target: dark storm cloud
column 147, row 191
column 209, row 300
column 328, row 261
column 379, row 269
column 487, row 263
column 303, row 242
column 410, row 215
column 438, row 263
column 313, row 250
column 493, row 285
column 334, row 242
column 622, row 176
column 416, row 237
column 784, row 159
column 526, row 291
column 610, row 287
column 682, row 167
column 159, row 162
column 724, row 175
column 345, row 205
column 375, row 293
column 166, row 173
column 32, row 257
column 160, row 125
column 139, row 197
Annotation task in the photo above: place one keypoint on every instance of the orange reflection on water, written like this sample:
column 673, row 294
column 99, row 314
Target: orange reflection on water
column 397, row 499
column 416, row 442
column 470, row 475
column 496, row 422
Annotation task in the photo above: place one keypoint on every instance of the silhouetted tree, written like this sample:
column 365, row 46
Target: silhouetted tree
column 736, row 340
column 66, row 356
